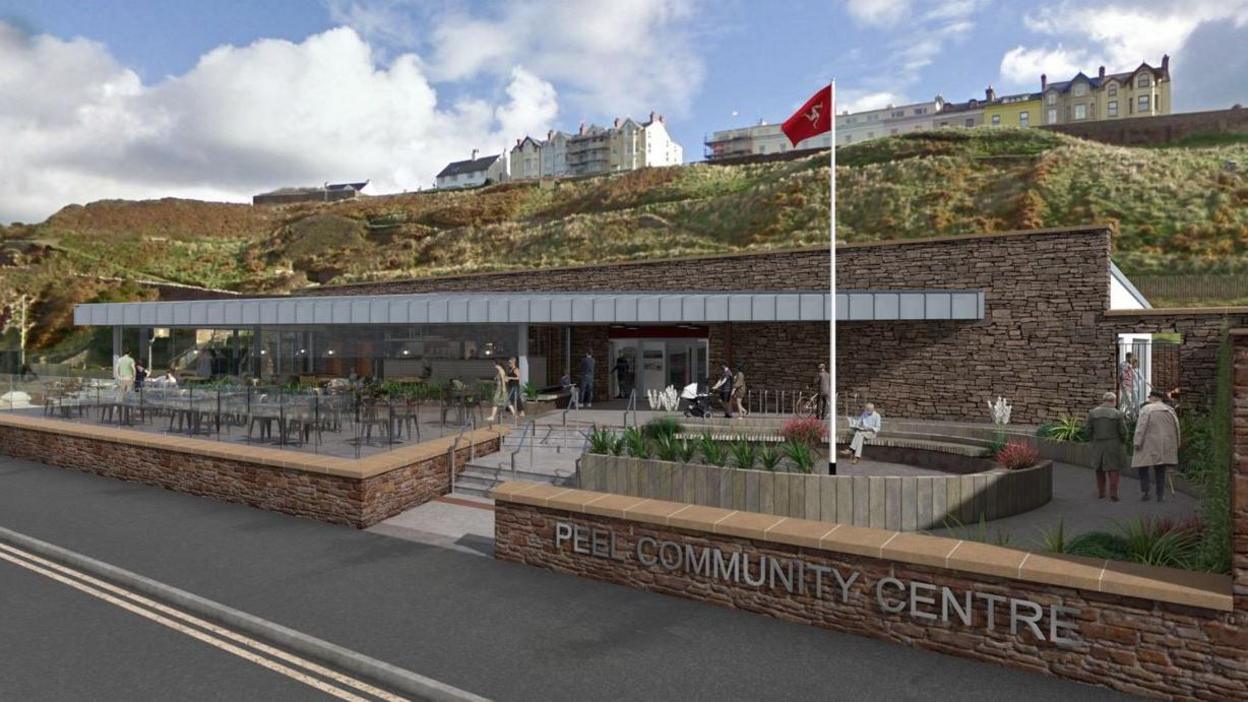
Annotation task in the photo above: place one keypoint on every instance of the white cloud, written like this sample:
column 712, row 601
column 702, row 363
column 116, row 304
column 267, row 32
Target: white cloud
column 1022, row 66
column 858, row 101
column 608, row 57
column 919, row 32
column 885, row 13
column 243, row 119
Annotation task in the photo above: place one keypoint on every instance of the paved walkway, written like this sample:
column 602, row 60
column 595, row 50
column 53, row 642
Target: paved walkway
column 459, row 523
column 1076, row 507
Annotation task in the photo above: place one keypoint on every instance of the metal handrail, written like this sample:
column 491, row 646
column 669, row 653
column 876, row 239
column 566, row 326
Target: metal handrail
column 574, row 402
column 450, row 456
column 531, row 425
column 631, row 407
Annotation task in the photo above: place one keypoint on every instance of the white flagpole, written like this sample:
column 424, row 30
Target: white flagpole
column 832, row 406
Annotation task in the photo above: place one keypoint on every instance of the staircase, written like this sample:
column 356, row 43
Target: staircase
column 547, row 455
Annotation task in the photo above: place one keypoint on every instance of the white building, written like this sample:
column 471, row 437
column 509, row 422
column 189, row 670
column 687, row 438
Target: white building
column 762, row 138
column 626, row 145
column 474, row 172
column 855, row 127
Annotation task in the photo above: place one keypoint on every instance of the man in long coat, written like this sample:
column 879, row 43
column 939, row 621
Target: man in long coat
column 1156, row 443
column 1106, row 429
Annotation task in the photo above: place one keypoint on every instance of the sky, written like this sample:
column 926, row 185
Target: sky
column 158, row 98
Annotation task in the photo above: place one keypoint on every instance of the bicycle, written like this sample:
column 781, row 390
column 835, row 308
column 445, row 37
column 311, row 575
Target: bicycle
column 806, row 406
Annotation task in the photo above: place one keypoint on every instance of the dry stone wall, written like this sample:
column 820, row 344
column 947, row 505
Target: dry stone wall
column 339, row 499
column 1042, row 343
column 1133, row 643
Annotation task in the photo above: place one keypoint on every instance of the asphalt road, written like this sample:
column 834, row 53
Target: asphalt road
column 58, row 644
column 505, row 631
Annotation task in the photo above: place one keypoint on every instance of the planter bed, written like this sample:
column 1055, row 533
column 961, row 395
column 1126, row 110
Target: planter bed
column 900, row 503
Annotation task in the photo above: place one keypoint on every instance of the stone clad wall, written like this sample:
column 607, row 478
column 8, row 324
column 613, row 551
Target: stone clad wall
column 339, row 499
column 1157, row 638
column 1239, row 471
column 802, row 269
column 1202, row 332
column 1042, row 344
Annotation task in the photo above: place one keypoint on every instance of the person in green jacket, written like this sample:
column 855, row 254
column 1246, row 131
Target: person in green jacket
column 1106, row 429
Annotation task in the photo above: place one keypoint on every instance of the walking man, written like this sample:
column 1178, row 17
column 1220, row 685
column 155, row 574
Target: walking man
column 1106, row 429
column 123, row 371
column 1156, row 443
column 823, row 381
column 588, row 366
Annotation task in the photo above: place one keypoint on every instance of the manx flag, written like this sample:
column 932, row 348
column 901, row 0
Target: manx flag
column 814, row 118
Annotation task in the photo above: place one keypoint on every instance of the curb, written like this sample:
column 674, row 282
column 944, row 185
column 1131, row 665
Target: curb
column 405, row 681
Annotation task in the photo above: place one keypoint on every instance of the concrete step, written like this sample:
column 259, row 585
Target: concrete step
column 502, row 472
column 473, row 498
column 481, row 483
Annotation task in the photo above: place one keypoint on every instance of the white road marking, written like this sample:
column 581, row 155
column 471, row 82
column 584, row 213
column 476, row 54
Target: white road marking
column 18, row 558
column 218, row 630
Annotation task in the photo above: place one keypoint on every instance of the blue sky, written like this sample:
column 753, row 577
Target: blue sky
column 220, row 99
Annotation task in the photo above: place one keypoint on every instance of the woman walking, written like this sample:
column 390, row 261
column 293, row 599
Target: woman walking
column 514, row 396
column 500, row 399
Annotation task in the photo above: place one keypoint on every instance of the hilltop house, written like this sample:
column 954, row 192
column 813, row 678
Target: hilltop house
column 473, row 172
column 329, row 192
column 624, row 146
column 1142, row 92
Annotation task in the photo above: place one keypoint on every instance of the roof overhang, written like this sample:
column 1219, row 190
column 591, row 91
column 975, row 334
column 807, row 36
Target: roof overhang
column 908, row 305
column 466, row 308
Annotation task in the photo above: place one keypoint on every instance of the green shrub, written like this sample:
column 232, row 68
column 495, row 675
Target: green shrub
column 770, row 457
column 636, row 443
column 530, row 391
column 713, row 452
column 662, row 426
column 1215, row 551
column 686, row 449
column 1149, row 542
column 1055, row 541
column 1098, row 544
column 666, row 447
column 1064, row 429
column 602, row 441
column 744, row 454
column 800, row 454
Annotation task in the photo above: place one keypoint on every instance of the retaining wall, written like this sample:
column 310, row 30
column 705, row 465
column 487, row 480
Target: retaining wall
column 1144, row 630
column 900, row 503
column 357, row 493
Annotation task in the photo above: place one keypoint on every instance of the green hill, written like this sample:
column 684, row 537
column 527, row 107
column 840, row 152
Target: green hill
column 1175, row 209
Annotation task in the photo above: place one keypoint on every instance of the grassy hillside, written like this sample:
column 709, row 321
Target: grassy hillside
column 1178, row 208
column 1174, row 209
column 77, row 253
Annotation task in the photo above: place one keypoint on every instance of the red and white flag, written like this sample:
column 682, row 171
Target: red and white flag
column 814, row 118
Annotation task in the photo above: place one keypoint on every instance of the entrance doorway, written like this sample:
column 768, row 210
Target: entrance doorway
column 654, row 364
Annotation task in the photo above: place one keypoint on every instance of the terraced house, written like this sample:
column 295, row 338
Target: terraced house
column 1142, row 92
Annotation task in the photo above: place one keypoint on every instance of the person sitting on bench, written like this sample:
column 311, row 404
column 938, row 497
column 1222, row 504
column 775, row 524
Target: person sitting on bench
column 865, row 426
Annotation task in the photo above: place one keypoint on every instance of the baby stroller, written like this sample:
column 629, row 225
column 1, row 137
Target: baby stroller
column 699, row 400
